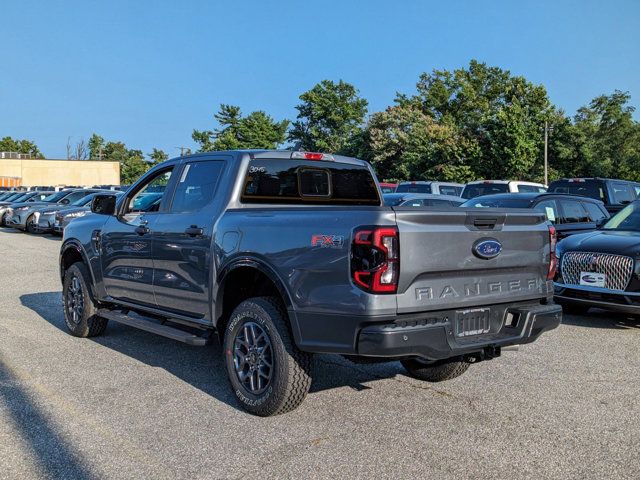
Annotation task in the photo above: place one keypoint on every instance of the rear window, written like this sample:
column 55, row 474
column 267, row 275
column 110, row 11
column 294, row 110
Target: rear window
column 296, row 182
column 592, row 189
column 414, row 188
column 531, row 189
column 450, row 190
column 478, row 189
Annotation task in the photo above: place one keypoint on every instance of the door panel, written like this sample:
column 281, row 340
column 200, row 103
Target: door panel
column 127, row 267
column 127, row 238
column 182, row 241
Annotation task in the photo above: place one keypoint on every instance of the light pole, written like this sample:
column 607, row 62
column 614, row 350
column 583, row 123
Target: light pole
column 547, row 130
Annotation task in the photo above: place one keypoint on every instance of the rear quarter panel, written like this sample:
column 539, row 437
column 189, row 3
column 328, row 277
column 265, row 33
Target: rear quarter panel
column 316, row 276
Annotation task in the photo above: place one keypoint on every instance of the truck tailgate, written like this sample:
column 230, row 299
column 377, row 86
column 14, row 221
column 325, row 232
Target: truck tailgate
column 439, row 269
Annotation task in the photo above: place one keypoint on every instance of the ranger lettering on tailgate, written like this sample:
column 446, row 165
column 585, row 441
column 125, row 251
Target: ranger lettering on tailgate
column 476, row 289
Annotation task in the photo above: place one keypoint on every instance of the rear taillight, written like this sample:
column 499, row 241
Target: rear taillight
column 375, row 259
column 553, row 260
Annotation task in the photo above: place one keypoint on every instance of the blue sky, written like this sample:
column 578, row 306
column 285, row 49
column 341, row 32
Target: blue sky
column 148, row 73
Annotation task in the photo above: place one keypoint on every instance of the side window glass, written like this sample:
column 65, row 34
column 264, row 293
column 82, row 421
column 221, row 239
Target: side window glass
column 550, row 209
column 573, row 212
column 149, row 196
column 595, row 214
column 622, row 192
column 196, row 186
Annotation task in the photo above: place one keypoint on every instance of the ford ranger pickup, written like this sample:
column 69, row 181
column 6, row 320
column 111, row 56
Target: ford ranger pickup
column 281, row 254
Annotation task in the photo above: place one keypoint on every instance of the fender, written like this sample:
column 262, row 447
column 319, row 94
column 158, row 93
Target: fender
column 263, row 267
column 77, row 246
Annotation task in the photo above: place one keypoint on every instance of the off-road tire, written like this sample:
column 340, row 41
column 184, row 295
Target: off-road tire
column 574, row 308
column 291, row 368
column 436, row 371
column 87, row 323
column 29, row 225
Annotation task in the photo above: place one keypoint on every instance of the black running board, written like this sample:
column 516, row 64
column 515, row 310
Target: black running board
column 154, row 327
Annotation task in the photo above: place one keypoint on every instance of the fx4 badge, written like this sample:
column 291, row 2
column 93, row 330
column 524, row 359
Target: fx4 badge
column 327, row 241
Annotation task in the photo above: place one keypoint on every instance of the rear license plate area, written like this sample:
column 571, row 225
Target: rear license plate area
column 472, row 322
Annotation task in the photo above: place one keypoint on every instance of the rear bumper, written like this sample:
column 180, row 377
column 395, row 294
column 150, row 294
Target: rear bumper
column 619, row 301
column 429, row 335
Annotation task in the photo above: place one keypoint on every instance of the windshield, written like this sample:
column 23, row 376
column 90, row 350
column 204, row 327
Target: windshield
column 592, row 189
column 414, row 188
column 478, row 189
column 23, row 197
column 86, row 200
column 14, row 195
column 626, row 219
column 54, row 197
column 492, row 202
column 392, row 199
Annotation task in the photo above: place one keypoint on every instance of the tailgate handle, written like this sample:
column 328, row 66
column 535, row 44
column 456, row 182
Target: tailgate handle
column 485, row 223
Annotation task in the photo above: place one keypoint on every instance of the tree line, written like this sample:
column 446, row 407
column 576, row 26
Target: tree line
column 470, row 123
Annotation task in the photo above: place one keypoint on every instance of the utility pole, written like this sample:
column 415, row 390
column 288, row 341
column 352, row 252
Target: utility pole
column 546, row 160
column 547, row 130
column 183, row 150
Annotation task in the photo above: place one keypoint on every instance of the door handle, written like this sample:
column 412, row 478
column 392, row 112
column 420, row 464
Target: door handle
column 194, row 231
column 142, row 230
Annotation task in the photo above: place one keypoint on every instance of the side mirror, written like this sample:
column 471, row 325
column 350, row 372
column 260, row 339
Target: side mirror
column 104, row 204
column 600, row 223
column 64, row 201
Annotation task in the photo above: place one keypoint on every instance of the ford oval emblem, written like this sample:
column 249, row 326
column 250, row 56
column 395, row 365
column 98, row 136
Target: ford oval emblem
column 486, row 249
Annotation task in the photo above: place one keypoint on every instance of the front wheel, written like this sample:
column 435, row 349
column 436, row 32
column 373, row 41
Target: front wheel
column 30, row 225
column 80, row 313
column 435, row 371
column 267, row 372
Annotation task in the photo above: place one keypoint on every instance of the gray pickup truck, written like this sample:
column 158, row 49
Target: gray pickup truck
column 282, row 254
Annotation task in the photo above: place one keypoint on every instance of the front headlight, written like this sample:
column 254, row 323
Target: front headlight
column 49, row 212
column 76, row 214
column 21, row 209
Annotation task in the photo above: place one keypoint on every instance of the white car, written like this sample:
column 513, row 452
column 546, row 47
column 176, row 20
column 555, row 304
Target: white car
column 490, row 187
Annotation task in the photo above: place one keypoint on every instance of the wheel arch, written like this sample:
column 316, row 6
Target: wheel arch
column 264, row 281
column 70, row 253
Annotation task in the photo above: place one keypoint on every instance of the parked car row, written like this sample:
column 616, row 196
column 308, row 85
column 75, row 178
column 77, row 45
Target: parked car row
column 51, row 212
column 598, row 254
column 614, row 193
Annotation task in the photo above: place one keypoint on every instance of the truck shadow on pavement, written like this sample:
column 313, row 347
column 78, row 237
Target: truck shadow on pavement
column 602, row 319
column 202, row 367
column 55, row 457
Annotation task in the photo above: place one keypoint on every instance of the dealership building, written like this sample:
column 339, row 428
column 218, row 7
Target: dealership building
column 31, row 172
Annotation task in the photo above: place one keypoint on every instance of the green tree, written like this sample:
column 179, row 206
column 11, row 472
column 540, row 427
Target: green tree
column 604, row 140
column 158, row 156
column 330, row 117
column 132, row 163
column 8, row 144
column 500, row 113
column 404, row 142
column 96, row 147
column 256, row 130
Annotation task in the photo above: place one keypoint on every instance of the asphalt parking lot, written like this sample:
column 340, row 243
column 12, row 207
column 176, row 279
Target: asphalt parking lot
column 133, row 405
